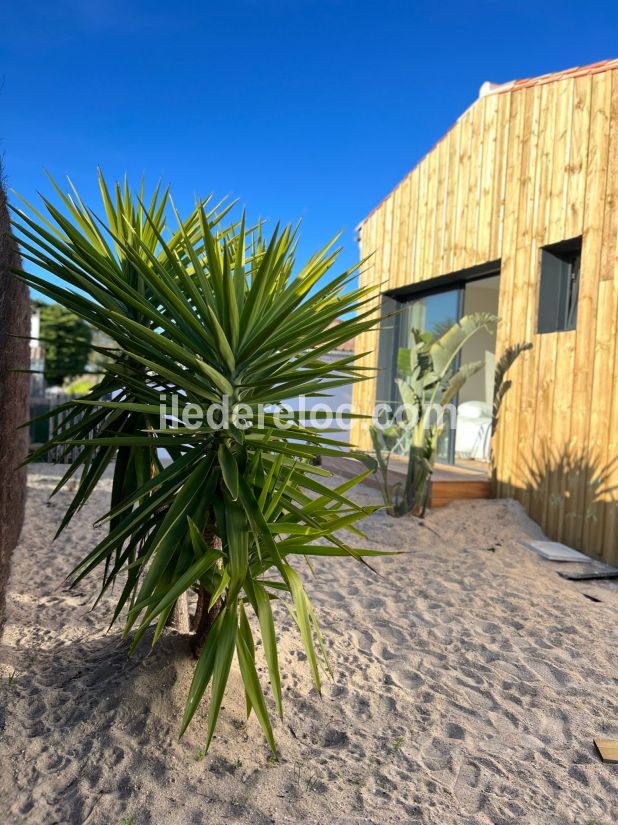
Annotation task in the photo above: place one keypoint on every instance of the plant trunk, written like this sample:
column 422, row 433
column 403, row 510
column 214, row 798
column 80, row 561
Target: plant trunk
column 422, row 480
column 205, row 621
column 204, row 618
column 417, row 485
column 199, row 609
column 179, row 617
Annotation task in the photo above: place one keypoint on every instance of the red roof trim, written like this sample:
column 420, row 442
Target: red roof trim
column 566, row 74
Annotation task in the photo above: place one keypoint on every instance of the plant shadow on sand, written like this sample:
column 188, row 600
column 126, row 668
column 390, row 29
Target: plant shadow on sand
column 573, row 495
column 84, row 706
column 468, row 687
column 91, row 736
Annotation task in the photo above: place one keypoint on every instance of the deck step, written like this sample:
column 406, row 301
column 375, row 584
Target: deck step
column 448, row 483
column 443, row 492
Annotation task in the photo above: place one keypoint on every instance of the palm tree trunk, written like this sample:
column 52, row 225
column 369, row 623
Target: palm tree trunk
column 179, row 617
column 203, row 619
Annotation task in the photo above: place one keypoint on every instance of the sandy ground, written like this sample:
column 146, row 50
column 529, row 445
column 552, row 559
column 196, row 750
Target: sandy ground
column 468, row 687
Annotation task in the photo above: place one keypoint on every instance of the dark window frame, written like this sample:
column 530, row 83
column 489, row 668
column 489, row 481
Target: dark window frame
column 559, row 284
column 393, row 300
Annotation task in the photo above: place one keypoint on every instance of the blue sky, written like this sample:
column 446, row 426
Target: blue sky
column 300, row 108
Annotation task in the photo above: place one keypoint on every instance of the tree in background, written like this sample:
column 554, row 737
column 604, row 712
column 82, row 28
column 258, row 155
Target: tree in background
column 67, row 341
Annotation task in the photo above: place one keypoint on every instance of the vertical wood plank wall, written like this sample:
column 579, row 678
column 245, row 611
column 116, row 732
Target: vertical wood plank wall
column 519, row 170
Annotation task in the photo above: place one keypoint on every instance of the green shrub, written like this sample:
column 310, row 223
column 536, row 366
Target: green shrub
column 206, row 311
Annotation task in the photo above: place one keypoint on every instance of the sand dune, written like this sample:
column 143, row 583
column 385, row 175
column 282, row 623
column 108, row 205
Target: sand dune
column 468, row 687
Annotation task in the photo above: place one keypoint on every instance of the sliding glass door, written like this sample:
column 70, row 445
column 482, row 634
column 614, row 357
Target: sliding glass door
column 436, row 312
column 432, row 313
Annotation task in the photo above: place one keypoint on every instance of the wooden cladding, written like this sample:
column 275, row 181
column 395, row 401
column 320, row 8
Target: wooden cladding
column 521, row 170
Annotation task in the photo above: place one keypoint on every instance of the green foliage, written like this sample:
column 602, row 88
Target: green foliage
column 501, row 384
column 205, row 309
column 67, row 341
column 396, row 744
column 81, row 385
column 428, row 380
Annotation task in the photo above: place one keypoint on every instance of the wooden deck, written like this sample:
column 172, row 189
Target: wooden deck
column 448, row 483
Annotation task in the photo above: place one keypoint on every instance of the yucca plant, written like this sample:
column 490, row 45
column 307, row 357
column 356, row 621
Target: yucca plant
column 205, row 315
column 429, row 379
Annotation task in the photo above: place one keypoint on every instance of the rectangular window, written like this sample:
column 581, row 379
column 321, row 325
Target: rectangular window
column 559, row 288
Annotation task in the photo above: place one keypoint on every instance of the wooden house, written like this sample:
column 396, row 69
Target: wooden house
column 515, row 211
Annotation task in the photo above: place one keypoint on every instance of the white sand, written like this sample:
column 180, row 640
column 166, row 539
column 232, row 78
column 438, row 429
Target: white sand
column 468, row 688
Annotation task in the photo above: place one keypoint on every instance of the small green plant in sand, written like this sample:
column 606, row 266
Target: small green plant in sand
column 213, row 320
column 241, row 801
column 305, row 779
column 396, row 744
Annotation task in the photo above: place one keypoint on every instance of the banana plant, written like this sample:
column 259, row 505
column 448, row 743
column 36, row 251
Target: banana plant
column 429, row 379
column 204, row 313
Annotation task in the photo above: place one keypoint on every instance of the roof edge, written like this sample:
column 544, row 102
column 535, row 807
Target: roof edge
column 489, row 88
